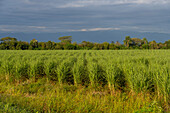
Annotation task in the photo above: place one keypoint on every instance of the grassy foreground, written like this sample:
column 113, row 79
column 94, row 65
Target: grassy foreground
column 85, row 81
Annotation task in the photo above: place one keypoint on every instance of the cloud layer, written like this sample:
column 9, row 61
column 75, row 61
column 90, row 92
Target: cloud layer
column 85, row 3
column 84, row 15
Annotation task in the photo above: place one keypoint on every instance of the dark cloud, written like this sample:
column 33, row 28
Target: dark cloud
column 1, row 2
column 59, row 15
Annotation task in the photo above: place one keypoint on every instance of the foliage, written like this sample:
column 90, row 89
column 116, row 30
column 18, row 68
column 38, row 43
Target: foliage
column 65, row 39
column 85, row 81
column 9, row 43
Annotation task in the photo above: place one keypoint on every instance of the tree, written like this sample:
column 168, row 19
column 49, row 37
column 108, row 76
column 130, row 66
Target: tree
column 127, row 41
column 112, row 46
column 2, row 47
column 58, row 46
column 96, row 46
column 75, row 45
column 87, row 45
column 69, row 46
column 22, row 45
column 9, row 43
column 65, row 39
column 160, row 45
column 167, row 44
column 117, row 44
column 33, row 44
column 8, row 39
column 145, row 41
column 42, row 45
column 106, row 45
column 49, row 45
column 153, row 44
column 112, row 42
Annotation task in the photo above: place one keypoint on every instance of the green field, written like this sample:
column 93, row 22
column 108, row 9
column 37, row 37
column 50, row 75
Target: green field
column 120, row 81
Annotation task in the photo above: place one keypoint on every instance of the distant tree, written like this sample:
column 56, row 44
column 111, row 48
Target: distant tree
column 2, row 46
column 87, row 45
column 100, row 46
column 75, row 45
column 136, row 42
column 42, row 45
column 49, row 45
column 160, row 46
column 80, row 46
column 112, row 42
column 145, row 46
column 96, row 46
column 25, row 45
column 8, row 39
column 65, row 39
column 9, row 42
column 127, row 41
column 33, row 44
column 69, row 46
column 105, row 45
column 145, row 41
column 22, row 45
column 58, row 46
column 117, row 43
column 153, row 44
column 167, row 44
column 84, row 43
column 112, row 46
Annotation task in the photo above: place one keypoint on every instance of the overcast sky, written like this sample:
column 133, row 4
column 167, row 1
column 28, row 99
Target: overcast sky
column 52, row 16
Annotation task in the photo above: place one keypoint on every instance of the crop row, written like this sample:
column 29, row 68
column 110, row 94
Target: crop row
column 134, row 71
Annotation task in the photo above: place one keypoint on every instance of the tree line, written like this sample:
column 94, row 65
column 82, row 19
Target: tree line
column 9, row 43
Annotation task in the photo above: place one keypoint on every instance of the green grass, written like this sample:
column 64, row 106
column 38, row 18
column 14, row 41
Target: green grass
column 118, row 81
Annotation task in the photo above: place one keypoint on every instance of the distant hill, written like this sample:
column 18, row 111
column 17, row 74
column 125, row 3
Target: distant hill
column 93, row 36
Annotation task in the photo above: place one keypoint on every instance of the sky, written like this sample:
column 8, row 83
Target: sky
column 52, row 16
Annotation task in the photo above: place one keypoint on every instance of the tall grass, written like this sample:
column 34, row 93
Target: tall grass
column 78, row 70
column 135, row 71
